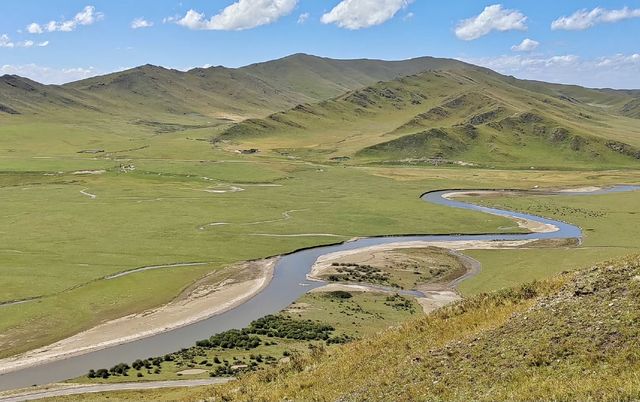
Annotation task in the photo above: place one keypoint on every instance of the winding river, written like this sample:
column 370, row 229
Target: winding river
column 288, row 284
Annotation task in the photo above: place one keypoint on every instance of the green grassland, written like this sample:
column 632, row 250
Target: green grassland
column 158, row 214
column 166, row 164
column 609, row 223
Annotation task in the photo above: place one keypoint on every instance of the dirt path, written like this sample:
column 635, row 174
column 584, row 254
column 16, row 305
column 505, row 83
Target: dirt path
column 84, row 192
column 58, row 390
column 286, row 215
column 201, row 301
column 152, row 267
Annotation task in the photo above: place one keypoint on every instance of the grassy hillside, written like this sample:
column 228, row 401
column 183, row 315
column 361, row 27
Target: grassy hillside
column 460, row 116
column 317, row 78
column 573, row 337
column 20, row 95
column 204, row 93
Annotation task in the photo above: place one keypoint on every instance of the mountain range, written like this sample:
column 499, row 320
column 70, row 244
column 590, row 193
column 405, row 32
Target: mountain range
column 423, row 110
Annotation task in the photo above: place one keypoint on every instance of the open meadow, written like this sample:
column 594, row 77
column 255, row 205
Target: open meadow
column 71, row 220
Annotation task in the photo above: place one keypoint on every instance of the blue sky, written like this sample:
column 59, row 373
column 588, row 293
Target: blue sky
column 596, row 44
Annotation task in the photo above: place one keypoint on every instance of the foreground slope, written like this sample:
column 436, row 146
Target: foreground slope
column 572, row 337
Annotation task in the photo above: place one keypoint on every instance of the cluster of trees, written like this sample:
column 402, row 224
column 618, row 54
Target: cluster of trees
column 339, row 294
column 400, row 303
column 352, row 272
column 280, row 326
column 276, row 326
column 123, row 368
column 232, row 339
column 119, row 369
column 339, row 339
column 147, row 363
column 101, row 373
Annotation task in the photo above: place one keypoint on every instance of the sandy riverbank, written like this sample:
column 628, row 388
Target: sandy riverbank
column 323, row 263
column 202, row 300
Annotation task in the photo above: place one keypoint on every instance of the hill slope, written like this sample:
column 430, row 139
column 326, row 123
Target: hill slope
column 464, row 115
column 214, row 92
column 20, row 95
column 573, row 337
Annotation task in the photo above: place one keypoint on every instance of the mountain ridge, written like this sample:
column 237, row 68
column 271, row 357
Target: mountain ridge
column 254, row 90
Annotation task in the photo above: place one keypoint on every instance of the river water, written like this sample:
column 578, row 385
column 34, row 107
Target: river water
column 288, row 284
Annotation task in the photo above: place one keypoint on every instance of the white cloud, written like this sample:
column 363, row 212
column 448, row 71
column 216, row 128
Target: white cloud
column 408, row 17
column 617, row 71
column 527, row 45
column 48, row 75
column 358, row 14
column 243, row 14
column 87, row 16
column 34, row 28
column 619, row 61
column 141, row 23
column 303, row 18
column 584, row 19
column 492, row 18
column 6, row 42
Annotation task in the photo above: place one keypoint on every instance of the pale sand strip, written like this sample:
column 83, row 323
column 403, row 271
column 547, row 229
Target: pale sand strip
column 532, row 225
column 199, row 304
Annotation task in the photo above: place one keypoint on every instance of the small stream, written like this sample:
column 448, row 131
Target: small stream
column 288, row 284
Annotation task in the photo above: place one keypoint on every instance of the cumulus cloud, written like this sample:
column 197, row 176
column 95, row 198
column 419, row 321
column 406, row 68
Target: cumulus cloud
column 617, row 71
column 585, row 19
column 35, row 28
column 303, row 18
column 87, row 16
column 6, row 42
column 358, row 14
column 527, row 45
column 47, row 75
column 141, row 23
column 243, row 14
column 492, row 18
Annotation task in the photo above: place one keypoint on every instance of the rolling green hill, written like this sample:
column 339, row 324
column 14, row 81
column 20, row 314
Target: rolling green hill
column 423, row 111
column 462, row 115
column 229, row 94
